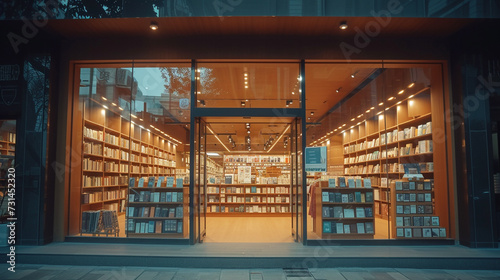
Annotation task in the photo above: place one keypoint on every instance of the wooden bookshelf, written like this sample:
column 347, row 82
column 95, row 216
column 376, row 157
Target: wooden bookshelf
column 157, row 208
column 379, row 146
column 413, row 213
column 343, row 211
column 115, row 149
column 248, row 200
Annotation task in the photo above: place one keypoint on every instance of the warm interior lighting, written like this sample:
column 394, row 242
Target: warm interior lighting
column 360, row 116
column 411, row 96
column 381, row 117
column 380, row 112
column 243, row 103
column 153, row 26
column 103, row 112
column 399, row 102
column 121, row 109
column 411, row 85
column 312, row 113
column 279, row 138
column 133, row 116
column 390, row 98
column 114, row 104
column 104, row 98
column 217, row 137
column 105, row 107
column 372, row 108
column 213, row 154
column 246, row 86
column 410, row 103
column 381, row 103
column 343, row 25
column 344, row 125
column 353, row 119
column 367, row 111
column 401, row 91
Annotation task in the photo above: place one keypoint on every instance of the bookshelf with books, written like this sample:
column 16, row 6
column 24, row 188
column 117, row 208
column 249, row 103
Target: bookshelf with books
column 344, row 208
column 114, row 149
column 413, row 212
column 379, row 146
column 265, row 168
column 157, row 207
column 248, row 200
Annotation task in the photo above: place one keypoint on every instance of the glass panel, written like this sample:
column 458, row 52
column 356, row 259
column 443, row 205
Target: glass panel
column 7, row 161
column 129, row 128
column 248, row 85
column 382, row 125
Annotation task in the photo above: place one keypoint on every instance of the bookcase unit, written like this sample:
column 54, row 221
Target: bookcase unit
column 413, row 215
column 379, row 146
column 265, row 168
column 114, row 149
column 7, row 143
column 344, row 209
column 248, row 199
column 156, row 207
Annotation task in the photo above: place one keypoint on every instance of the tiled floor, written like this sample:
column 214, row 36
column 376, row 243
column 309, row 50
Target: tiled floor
column 44, row 272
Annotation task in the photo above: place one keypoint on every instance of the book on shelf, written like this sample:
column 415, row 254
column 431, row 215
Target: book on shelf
column 360, row 227
column 170, row 182
column 332, row 183
column 179, row 182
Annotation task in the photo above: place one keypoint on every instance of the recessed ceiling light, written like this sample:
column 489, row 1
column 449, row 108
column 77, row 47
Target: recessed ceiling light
column 401, row 91
column 372, row 108
column 353, row 119
column 312, row 113
column 243, row 104
column 153, row 26
column 104, row 98
column 381, row 103
column 343, row 25
column 390, row 98
column 411, row 85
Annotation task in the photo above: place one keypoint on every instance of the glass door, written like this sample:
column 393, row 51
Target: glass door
column 200, row 183
column 296, row 176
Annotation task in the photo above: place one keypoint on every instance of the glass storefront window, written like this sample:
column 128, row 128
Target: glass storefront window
column 129, row 130
column 386, row 173
column 248, row 85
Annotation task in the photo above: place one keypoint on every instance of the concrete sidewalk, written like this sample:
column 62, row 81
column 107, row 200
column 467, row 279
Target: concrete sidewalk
column 62, row 272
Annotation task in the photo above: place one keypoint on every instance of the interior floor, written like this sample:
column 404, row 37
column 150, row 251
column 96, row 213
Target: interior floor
column 249, row 229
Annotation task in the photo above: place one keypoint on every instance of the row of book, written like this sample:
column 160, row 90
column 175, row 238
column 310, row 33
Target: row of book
column 148, row 196
column 165, row 226
column 153, row 182
column 393, row 136
column 101, row 220
column 255, row 199
column 248, row 209
column 92, row 148
column 414, row 209
column 91, row 165
column 115, row 194
column 417, row 221
column 347, row 212
column 111, row 166
column 414, row 197
column 248, row 190
column 91, row 197
column 92, row 133
column 155, row 211
column 348, row 228
column 359, row 197
column 256, row 159
column 419, row 185
column 421, row 232
column 347, row 182
column 112, row 139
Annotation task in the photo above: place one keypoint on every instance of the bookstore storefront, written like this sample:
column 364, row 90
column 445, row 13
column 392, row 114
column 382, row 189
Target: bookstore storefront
column 187, row 151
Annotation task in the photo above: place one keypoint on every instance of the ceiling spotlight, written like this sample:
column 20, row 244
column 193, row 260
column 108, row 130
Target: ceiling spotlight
column 312, row 113
column 248, row 131
column 343, row 25
column 401, row 91
column 338, row 90
column 381, row 103
column 153, row 26
column 104, row 98
column 390, row 98
column 411, row 85
column 353, row 75
column 353, row 119
column 372, row 108
column 243, row 103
